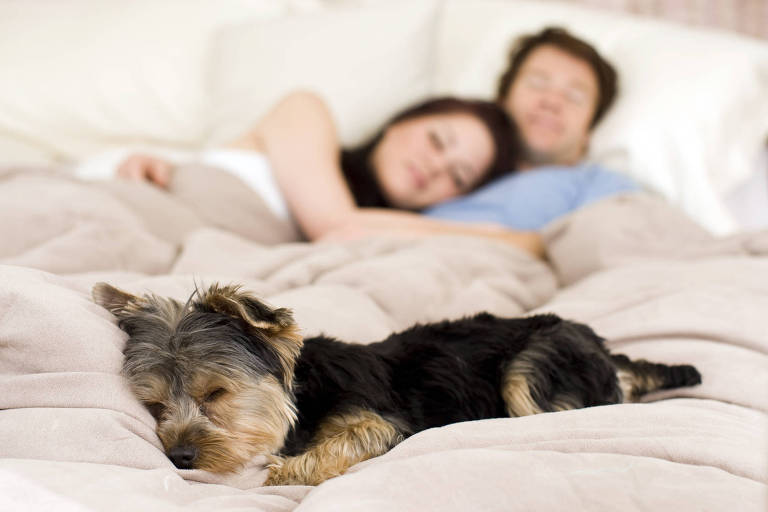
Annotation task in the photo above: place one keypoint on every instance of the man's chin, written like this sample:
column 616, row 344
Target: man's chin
column 537, row 157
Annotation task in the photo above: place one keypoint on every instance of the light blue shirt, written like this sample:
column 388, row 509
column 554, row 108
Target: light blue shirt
column 529, row 200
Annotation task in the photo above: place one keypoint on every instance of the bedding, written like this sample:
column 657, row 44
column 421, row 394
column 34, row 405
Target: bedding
column 648, row 279
column 137, row 227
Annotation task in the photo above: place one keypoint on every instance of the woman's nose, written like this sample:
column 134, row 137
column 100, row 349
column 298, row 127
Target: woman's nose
column 437, row 165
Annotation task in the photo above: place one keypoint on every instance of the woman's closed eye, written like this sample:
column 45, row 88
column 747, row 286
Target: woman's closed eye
column 461, row 176
column 436, row 141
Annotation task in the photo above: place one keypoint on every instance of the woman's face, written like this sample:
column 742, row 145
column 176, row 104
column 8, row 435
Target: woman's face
column 427, row 159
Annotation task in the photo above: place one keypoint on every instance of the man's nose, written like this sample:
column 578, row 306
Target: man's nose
column 551, row 99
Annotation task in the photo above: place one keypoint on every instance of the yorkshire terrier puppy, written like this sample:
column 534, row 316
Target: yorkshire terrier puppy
column 228, row 377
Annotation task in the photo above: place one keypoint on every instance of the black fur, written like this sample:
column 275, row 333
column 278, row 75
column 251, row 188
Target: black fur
column 435, row 374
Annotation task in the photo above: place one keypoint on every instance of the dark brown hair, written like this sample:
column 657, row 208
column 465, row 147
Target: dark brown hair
column 356, row 162
column 607, row 78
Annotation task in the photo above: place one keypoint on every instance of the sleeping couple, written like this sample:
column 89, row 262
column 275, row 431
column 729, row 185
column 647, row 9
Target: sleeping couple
column 499, row 169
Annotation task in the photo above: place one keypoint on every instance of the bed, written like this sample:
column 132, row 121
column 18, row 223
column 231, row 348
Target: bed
column 666, row 274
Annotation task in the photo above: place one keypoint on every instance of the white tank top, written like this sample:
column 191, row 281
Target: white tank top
column 251, row 167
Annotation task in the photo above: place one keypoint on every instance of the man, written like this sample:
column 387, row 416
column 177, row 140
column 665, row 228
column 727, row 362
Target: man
column 556, row 87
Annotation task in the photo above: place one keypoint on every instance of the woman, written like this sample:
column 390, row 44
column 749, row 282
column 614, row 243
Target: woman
column 430, row 153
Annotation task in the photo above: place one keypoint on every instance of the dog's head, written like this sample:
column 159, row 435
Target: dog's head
column 216, row 372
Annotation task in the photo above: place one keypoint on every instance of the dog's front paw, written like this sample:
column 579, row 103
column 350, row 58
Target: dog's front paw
column 276, row 473
column 275, row 478
column 301, row 470
column 280, row 475
column 282, row 472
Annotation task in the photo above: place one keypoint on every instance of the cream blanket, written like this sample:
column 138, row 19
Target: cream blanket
column 74, row 438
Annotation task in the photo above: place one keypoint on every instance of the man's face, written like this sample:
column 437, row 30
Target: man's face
column 552, row 100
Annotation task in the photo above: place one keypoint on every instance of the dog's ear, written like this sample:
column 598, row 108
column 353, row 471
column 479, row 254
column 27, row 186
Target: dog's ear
column 277, row 325
column 229, row 300
column 116, row 301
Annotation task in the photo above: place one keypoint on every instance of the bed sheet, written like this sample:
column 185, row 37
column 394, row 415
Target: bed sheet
column 646, row 278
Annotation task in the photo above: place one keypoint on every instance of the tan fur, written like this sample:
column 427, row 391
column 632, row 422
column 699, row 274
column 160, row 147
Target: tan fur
column 116, row 301
column 287, row 344
column 635, row 384
column 121, row 304
column 626, row 380
column 516, row 392
column 341, row 442
column 151, row 389
column 228, row 431
column 566, row 402
column 283, row 335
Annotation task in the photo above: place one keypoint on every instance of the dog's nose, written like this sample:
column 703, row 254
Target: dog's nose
column 183, row 456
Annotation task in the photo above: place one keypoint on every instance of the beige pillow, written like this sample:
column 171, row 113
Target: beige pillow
column 82, row 75
column 367, row 62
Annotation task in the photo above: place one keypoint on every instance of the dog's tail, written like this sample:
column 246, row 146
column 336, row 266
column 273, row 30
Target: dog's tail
column 639, row 377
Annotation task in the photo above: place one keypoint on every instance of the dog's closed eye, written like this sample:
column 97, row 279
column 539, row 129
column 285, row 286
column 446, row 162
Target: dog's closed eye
column 156, row 409
column 209, row 400
column 214, row 395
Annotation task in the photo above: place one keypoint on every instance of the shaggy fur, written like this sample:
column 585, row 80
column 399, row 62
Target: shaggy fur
column 227, row 377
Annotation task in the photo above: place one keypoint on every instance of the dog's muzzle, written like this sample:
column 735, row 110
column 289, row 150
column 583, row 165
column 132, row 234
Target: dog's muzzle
column 183, row 456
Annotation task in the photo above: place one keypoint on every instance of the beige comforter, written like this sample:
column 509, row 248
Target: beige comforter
column 72, row 437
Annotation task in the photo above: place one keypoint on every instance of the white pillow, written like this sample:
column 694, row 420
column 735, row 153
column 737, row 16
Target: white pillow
column 367, row 62
column 692, row 113
column 82, row 75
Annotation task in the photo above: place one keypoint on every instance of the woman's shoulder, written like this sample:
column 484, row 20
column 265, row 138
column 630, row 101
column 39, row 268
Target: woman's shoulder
column 300, row 108
column 305, row 103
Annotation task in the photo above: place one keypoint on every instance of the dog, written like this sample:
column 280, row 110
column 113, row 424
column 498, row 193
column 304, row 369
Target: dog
column 228, row 377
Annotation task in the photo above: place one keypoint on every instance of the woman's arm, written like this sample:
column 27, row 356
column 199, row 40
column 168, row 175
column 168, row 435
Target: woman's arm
column 368, row 222
column 300, row 140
